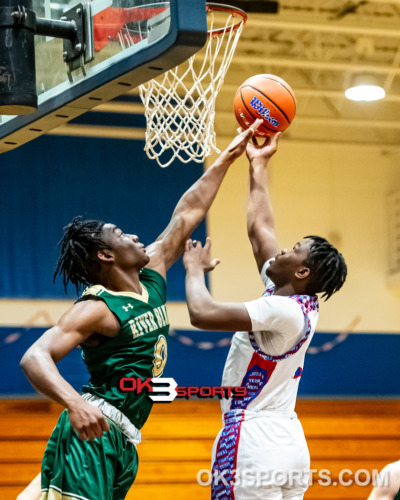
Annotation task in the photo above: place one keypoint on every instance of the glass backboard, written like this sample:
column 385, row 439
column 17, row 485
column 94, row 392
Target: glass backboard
column 131, row 42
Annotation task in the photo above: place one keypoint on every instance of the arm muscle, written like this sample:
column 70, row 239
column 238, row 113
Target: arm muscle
column 260, row 215
column 207, row 314
column 194, row 205
column 74, row 327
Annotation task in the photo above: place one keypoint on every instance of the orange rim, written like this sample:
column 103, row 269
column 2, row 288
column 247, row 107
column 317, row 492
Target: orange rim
column 234, row 12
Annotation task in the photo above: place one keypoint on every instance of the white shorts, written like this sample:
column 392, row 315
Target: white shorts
column 260, row 457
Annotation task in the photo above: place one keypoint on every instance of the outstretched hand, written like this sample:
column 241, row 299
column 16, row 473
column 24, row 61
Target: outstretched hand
column 238, row 146
column 262, row 151
column 195, row 256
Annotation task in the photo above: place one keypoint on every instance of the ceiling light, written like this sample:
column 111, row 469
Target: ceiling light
column 364, row 89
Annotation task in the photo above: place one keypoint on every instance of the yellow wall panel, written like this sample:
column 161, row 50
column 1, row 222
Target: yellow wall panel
column 339, row 193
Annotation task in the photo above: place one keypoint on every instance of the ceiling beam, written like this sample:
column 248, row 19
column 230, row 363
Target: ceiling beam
column 328, row 27
column 133, row 132
column 329, row 122
column 315, row 92
column 265, row 61
column 99, row 131
column 138, row 107
column 348, row 122
column 386, row 2
column 134, row 108
column 130, row 133
column 331, row 144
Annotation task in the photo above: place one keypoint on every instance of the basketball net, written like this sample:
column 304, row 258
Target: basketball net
column 180, row 105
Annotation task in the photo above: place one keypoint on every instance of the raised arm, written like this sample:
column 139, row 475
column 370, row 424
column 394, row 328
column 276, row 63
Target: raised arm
column 39, row 363
column 194, row 205
column 260, row 215
column 204, row 311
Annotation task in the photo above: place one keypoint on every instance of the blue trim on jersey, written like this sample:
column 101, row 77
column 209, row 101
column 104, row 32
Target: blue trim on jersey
column 257, row 376
column 299, row 372
column 223, row 470
column 307, row 303
column 254, row 381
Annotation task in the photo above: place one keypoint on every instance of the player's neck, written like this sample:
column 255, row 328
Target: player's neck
column 287, row 290
column 123, row 281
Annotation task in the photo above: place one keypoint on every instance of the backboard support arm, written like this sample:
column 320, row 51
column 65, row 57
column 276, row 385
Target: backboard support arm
column 18, row 26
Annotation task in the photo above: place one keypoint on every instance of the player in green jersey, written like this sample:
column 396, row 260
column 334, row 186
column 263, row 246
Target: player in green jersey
column 120, row 321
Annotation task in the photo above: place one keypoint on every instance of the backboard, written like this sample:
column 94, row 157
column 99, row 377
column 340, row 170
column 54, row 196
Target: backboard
column 132, row 41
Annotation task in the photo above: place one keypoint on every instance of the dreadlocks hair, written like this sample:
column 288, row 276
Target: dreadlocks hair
column 327, row 266
column 78, row 262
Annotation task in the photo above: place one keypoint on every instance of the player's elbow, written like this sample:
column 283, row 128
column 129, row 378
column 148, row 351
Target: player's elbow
column 186, row 220
column 204, row 312
column 196, row 319
column 29, row 360
column 25, row 362
column 205, row 320
column 200, row 319
column 251, row 228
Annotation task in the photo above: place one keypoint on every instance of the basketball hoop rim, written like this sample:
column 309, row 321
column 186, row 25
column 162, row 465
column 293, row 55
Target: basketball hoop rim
column 235, row 11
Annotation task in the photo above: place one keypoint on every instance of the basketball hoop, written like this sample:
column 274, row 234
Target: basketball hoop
column 180, row 105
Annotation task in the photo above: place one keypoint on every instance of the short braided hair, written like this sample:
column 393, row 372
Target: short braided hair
column 328, row 267
column 78, row 262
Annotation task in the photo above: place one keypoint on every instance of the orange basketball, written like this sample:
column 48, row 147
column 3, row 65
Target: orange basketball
column 267, row 97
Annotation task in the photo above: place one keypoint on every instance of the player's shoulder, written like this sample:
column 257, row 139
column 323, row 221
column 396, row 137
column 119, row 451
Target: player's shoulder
column 153, row 281
column 286, row 307
column 389, row 482
column 275, row 313
column 94, row 290
column 283, row 304
column 100, row 295
column 89, row 314
column 393, row 470
column 150, row 274
column 91, row 305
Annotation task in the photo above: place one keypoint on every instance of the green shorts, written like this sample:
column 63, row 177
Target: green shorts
column 87, row 470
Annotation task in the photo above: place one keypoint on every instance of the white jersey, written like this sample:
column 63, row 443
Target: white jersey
column 269, row 360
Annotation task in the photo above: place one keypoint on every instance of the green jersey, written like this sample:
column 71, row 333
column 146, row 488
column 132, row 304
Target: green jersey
column 139, row 350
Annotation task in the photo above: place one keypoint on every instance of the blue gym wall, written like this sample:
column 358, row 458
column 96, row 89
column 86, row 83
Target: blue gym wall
column 47, row 182
column 363, row 365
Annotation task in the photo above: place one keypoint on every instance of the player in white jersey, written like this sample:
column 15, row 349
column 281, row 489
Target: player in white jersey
column 388, row 487
column 261, row 452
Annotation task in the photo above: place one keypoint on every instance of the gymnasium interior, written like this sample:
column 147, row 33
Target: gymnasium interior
column 336, row 174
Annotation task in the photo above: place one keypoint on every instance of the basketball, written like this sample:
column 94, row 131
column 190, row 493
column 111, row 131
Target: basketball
column 267, row 97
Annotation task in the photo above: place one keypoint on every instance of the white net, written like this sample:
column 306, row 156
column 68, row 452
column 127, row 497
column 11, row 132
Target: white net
column 180, row 105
